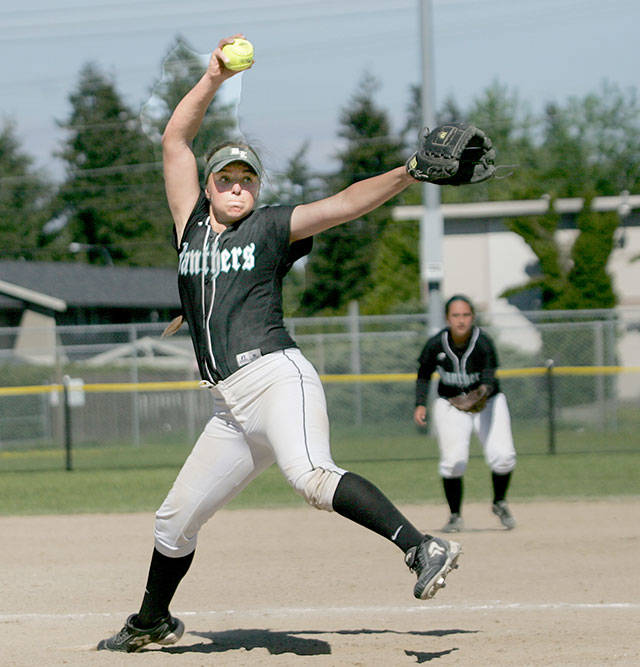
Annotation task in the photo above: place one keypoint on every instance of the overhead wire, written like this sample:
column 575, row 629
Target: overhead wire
column 331, row 8
column 49, row 20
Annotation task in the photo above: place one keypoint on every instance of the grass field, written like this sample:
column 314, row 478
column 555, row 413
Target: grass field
column 318, row 599
column 127, row 479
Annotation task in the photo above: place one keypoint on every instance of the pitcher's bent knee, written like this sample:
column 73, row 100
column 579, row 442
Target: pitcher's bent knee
column 176, row 528
column 172, row 545
column 318, row 487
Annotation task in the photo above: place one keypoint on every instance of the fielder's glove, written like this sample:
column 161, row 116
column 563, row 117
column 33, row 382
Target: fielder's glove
column 474, row 401
column 453, row 154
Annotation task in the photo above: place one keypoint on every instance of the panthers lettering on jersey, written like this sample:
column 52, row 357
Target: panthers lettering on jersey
column 230, row 286
column 193, row 262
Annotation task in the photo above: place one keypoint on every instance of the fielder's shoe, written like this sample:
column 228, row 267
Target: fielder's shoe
column 432, row 560
column 501, row 510
column 454, row 525
column 131, row 639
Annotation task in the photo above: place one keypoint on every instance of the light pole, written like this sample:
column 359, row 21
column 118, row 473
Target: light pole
column 431, row 221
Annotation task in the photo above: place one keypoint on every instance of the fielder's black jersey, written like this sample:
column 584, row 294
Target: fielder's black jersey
column 230, row 286
column 461, row 369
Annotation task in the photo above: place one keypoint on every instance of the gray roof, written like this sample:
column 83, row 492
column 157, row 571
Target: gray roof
column 85, row 285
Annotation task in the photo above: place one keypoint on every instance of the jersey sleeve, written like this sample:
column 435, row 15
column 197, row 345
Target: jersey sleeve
column 426, row 367
column 298, row 249
column 488, row 372
column 279, row 217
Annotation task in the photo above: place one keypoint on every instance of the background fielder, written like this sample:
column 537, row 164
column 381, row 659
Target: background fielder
column 469, row 400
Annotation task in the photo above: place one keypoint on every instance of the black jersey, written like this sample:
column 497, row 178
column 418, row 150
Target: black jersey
column 230, row 286
column 461, row 369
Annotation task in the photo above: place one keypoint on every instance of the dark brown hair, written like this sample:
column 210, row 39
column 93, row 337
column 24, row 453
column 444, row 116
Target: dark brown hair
column 459, row 297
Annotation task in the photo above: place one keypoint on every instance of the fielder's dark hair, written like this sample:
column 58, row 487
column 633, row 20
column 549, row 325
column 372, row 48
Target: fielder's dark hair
column 459, row 297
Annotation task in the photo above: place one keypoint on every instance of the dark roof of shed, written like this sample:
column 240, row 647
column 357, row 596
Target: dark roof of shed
column 85, row 285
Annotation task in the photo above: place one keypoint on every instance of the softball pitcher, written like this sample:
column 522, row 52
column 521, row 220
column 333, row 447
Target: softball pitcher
column 469, row 400
column 268, row 402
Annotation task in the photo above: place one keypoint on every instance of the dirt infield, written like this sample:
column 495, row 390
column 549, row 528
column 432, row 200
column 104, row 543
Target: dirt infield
column 303, row 587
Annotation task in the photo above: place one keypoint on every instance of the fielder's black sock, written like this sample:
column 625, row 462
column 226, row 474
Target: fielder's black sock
column 359, row 500
column 500, row 485
column 453, row 490
column 164, row 576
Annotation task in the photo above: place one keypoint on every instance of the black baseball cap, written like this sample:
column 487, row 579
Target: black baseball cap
column 230, row 153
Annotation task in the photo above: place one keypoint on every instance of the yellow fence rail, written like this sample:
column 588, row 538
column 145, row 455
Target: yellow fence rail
column 187, row 385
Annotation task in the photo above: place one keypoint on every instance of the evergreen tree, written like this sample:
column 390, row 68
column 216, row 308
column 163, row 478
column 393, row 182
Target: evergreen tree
column 395, row 272
column 339, row 268
column 573, row 279
column 296, row 184
column 589, row 283
column 113, row 196
column 550, row 279
column 24, row 199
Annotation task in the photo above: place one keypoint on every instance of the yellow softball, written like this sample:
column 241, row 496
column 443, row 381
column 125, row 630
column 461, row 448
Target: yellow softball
column 240, row 54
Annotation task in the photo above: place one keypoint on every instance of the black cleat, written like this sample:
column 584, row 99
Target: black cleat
column 131, row 639
column 432, row 560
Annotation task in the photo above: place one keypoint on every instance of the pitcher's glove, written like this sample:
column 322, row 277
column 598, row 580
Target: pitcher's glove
column 453, row 154
column 474, row 401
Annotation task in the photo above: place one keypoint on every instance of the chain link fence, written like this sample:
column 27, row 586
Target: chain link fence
column 122, row 395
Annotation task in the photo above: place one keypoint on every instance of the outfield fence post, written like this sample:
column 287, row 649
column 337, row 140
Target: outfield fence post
column 67, row 422
column 551, row 411
column 600, row 390
column 135, row 395
column 356, row 367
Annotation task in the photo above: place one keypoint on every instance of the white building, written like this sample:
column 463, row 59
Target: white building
column 482, row 258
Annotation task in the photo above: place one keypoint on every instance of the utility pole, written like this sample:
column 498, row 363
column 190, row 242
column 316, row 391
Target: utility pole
column 431, row 221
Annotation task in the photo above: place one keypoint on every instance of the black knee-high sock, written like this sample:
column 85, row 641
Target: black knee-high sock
column 500, row 485
column 164, row 576
column 453, row 490
column 359, row 500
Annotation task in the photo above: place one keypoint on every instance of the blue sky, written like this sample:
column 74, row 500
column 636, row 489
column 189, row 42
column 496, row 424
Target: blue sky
column 310, row 56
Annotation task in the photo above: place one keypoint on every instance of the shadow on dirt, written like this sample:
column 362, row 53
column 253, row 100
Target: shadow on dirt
column 294, row 641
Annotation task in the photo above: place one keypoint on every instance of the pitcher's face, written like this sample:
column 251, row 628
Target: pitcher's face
column 233, row 192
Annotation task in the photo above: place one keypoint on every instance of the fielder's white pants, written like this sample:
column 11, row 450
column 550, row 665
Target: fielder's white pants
column 454, row 429
column 272, row 410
